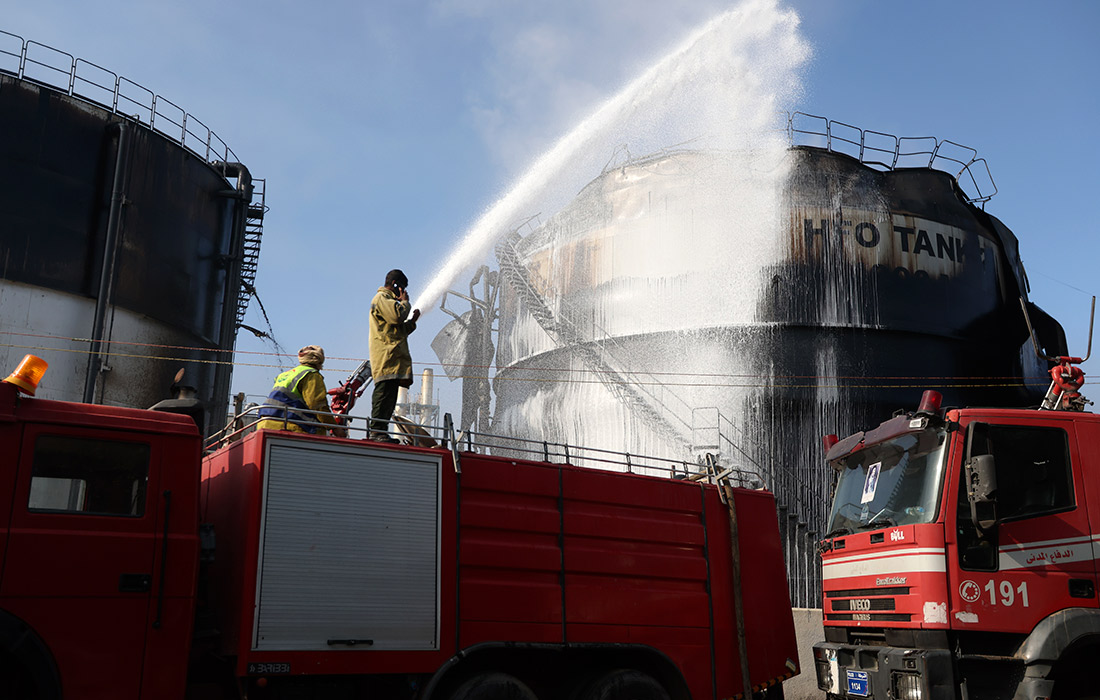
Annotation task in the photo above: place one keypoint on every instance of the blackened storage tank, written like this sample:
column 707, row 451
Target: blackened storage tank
column 750, row 307
column 128, row 239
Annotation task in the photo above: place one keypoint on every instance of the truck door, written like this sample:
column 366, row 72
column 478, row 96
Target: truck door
column 10, row 433
column 1038, row 558
column 79, row 562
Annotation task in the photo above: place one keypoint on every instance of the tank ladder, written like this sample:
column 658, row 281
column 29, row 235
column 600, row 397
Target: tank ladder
column 624, row 385
column 250, row 250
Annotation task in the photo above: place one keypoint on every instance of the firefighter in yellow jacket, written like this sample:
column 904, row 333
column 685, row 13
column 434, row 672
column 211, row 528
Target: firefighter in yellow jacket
column 300, row 388
column 391, row 363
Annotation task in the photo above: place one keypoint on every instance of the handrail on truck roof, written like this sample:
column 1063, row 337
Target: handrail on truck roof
column 408, row 433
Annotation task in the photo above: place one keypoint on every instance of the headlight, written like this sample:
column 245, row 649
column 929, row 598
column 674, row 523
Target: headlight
column 907, row 686
column 824, row 675
column 828, row 673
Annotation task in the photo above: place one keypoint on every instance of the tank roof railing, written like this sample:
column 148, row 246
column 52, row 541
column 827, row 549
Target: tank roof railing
column 87, row 81
column 889, row 152
column 506, row 446
column 875, row 149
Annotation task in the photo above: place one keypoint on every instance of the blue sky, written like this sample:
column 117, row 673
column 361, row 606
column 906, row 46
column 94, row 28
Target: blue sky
column 384, row 129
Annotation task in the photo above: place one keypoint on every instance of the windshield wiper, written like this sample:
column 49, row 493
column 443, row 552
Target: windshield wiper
column 877, row 521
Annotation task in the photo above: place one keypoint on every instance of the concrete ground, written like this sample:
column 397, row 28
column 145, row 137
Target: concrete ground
column 808, row 630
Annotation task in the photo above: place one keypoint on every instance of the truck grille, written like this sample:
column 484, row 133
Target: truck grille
column 869, row 604
column 870, row 617
column 866, row 604
column 868, row 592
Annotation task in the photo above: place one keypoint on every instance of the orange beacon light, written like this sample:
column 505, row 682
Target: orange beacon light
column 27, row 375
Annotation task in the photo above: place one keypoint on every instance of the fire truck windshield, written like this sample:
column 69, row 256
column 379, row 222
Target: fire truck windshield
column 894, row 482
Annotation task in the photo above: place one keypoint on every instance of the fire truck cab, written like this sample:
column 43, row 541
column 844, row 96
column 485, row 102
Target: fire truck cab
column 99, row 543
column 960, row 558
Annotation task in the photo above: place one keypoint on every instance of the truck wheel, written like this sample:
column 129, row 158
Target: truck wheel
column 1078, row 694
column 493, row 686
column 1076, row 687
column 625, row 684
column 774, row 692
column 15, row 682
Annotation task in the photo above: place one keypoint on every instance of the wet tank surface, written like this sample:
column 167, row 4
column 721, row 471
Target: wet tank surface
column 121, row 247
column 680, row 305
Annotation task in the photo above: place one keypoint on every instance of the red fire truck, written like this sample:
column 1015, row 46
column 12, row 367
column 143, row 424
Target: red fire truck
column 287, row 565
column 961, row 555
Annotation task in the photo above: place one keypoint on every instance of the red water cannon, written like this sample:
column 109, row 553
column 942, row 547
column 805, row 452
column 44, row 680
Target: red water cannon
column 344, row 396
column 1066, row 378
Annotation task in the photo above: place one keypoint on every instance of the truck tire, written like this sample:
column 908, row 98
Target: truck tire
column 625, row 684
column 1085, row 691
column 15, row 682
column 1080, row 685
column 493, row 686
column 774, row 692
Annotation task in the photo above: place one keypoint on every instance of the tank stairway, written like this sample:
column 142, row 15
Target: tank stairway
column 624, row 385
column 800, row 515
column 250, row 250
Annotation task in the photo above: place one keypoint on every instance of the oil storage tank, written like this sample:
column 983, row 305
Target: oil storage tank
column 693, row 302
column 129, row 234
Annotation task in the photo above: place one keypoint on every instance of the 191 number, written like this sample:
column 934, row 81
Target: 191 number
column 1007, row 593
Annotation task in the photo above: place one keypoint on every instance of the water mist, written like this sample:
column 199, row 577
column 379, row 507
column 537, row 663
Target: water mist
column 659, row 263
column 725, row 87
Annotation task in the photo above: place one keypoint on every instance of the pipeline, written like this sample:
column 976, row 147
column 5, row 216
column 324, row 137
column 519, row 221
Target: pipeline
column 107, row 269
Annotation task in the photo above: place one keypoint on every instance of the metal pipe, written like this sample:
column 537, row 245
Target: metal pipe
column 107, row 269
column 426, row 387
column 227, row 336
column 1092, row 317
column 738, row 599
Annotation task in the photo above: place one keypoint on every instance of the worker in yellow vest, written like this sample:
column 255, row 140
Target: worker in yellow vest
column 300, row 388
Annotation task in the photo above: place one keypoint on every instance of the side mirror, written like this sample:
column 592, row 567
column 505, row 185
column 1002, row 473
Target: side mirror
column 981, row 490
